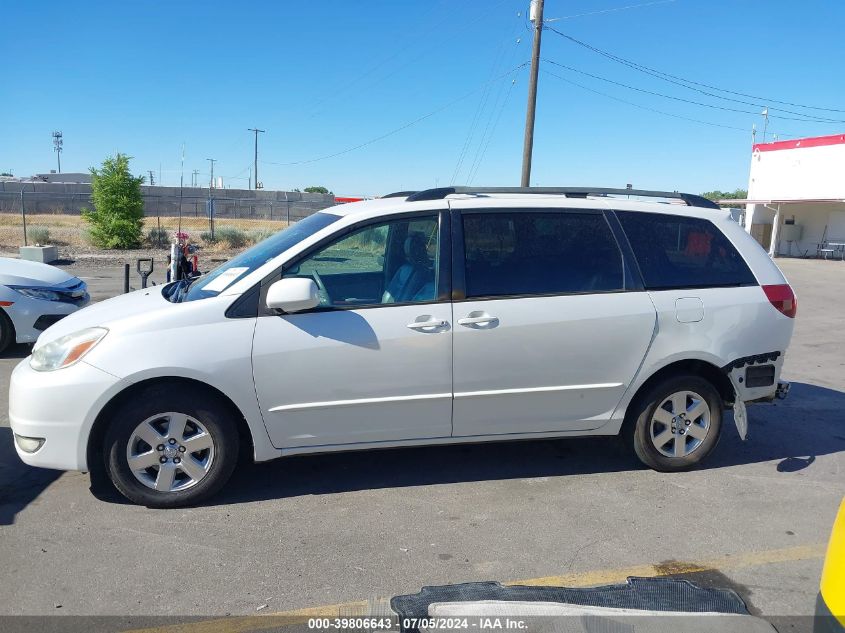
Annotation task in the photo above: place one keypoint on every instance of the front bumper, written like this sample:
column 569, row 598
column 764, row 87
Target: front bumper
column 32, row 316
column 60, row 407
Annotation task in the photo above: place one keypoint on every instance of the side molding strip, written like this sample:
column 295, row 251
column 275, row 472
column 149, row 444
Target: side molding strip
column 346, row 403
column 499, row 392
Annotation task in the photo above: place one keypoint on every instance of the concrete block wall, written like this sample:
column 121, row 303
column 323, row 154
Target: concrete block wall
column 165, row 201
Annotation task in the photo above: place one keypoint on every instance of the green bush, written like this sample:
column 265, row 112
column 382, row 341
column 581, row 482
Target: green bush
column 205, row 236
column 158, row 237
column 117, row 219
column 38, row 235
column 231, row 237
column 259, row 235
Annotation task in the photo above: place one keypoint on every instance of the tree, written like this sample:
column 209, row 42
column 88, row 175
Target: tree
column 737, row 194
column 117, row 219
column 316, row 190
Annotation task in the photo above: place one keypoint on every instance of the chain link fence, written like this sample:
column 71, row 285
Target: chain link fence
column 217, row 221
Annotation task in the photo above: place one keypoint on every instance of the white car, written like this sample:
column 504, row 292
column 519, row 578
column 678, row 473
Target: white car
column 448, row 315
column 33, row 297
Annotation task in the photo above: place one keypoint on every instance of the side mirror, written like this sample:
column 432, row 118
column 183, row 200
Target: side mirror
column 293, row 294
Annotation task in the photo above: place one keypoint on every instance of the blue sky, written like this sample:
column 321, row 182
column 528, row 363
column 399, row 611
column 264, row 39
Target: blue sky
column 322, row 77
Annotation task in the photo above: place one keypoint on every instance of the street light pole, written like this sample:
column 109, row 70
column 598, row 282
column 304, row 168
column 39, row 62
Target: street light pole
column 211, row 181
column 257, row 131
column 536, row 13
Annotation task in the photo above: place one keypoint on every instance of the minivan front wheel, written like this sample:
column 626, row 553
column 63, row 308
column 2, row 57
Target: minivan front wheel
column 169, row 447
column 677, row 424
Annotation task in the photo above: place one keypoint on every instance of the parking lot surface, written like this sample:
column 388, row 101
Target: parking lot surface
column 310, row 531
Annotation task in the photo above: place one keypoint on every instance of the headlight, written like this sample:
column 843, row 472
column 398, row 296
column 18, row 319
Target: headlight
column 66, row 350
column 38, row 293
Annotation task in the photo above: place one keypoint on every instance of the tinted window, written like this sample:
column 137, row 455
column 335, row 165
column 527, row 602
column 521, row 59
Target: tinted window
column 680, row 252
column 389, row 262
column 525, row 253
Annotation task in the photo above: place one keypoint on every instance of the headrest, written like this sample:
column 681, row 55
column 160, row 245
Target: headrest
column 415, row 248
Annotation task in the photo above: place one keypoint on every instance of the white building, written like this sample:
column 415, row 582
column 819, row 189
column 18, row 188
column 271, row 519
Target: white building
column 796, row 196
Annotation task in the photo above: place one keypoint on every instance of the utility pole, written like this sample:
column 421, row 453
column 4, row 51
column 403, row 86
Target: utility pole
column 536, row 14
column 194, row 177
column 57, row 147
column 256, row 130
column 152, row 177
column 211, row 182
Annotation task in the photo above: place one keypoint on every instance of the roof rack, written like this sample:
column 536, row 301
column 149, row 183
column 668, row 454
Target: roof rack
column 691, row 200
column 400, row 194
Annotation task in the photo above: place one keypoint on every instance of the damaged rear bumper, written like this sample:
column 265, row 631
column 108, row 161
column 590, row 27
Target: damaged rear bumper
column 755, row 379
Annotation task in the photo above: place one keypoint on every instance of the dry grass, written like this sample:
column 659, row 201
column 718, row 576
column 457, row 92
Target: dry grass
column 71, row 231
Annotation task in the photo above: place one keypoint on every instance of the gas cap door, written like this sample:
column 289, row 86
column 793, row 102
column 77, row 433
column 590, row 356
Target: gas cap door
column 689, row 309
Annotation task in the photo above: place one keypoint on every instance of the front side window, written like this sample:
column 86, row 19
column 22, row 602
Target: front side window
column 539, row 253
column 681, row 252
column 215, row 282
column 385, row 263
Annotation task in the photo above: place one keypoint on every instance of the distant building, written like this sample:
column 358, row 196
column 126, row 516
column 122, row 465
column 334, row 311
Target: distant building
column 796, row 196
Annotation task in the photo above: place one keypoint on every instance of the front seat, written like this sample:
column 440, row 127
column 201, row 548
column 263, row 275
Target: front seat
column 410, row 278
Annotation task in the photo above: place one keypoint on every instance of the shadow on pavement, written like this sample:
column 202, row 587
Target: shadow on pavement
column 791, row 433
column 20, row 484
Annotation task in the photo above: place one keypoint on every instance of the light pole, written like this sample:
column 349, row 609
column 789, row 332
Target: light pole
column 211, row 181
column 257, row 131
column 57, row 147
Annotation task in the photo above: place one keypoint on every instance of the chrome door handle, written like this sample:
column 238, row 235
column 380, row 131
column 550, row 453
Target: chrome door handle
column 422, row 325
column 479, row 320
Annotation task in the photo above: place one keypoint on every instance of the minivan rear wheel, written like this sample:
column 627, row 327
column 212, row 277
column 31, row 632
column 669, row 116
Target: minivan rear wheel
column 169, row 447
column 676, row 424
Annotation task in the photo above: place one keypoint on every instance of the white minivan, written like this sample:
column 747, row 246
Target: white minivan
column 446, row 315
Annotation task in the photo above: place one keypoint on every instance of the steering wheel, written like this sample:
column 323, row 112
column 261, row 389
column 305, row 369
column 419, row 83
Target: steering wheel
column 325, row 299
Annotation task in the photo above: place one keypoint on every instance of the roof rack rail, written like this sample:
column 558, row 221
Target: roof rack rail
column 400, row 194
column 691, row 200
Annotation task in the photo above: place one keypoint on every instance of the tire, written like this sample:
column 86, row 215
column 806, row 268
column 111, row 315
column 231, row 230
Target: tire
column 7, row 331
column 688, row 405
column 146, row 429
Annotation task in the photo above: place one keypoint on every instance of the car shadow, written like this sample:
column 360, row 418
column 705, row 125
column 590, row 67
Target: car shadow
column 20, row 484
column 789, row 433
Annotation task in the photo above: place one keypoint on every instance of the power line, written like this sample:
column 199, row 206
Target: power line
column 398, row 129
column 431, row 43
column 642, row 107
column 681, row 99
column 485, row 139
column 479, row 113
column 474, row 172
column 681, row 81
column 625, row 8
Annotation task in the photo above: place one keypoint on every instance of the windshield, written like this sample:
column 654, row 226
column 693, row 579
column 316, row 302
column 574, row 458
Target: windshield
column 215, row 282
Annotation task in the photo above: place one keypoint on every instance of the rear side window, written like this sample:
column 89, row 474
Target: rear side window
column 680, row 252
column 529, row 253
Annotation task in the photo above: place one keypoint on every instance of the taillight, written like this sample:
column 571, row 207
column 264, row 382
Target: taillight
column 782, row 298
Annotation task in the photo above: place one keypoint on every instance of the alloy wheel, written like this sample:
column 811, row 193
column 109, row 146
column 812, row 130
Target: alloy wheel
column 170, row 451
column 679, row 425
